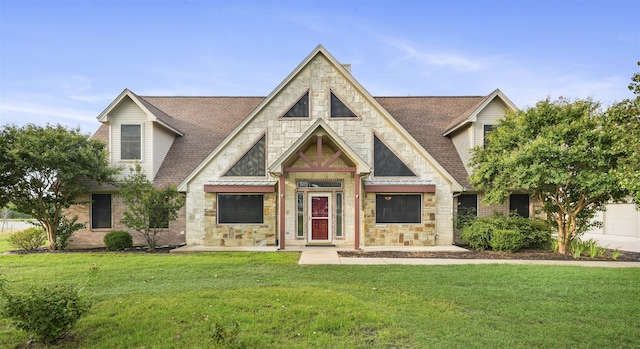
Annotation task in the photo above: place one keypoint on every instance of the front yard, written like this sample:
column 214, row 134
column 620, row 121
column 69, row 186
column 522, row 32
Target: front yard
column 191, row 301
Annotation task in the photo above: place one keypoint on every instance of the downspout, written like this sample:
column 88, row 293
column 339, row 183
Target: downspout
column 281, row 189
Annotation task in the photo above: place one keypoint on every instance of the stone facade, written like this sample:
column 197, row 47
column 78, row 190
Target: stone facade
column 423, row 234
column 240, row 234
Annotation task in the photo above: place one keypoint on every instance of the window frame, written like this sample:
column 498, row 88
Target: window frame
column 221, row 197
column 93, row 211
column 382, row 197
column 128, row 143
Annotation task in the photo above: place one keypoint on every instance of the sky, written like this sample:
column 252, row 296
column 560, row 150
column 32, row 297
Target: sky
column 64, row 62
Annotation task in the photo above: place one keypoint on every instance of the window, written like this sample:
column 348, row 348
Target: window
column 241, row 209
column 252, row 163
column 101, row 211
column 386, row 163
column 339, row 215
column 300, row 109
column 339, row 109
column 393, row 208
column 520, row 204
column 468, row 204
column 487, row 129
column 130, row 142
column 300, row 229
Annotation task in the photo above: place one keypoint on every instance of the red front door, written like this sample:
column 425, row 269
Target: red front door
column 320, row 217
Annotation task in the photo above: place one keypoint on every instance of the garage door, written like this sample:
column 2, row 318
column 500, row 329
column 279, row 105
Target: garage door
column 622, row 220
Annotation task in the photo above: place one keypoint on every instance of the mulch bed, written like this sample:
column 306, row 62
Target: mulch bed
column 471, row 254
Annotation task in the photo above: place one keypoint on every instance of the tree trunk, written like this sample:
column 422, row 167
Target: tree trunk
column 563, row 239
column 51, row 235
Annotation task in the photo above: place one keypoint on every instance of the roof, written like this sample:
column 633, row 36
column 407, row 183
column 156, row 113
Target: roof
column 427, row 118
column 207, row 121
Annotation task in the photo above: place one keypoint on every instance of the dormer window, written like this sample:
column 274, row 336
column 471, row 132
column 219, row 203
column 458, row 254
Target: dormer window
column 130, row 142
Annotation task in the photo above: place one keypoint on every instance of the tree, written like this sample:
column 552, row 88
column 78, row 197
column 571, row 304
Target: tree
column 44, row 169
column 149, row 208
column 624, row 121
column 561, row 153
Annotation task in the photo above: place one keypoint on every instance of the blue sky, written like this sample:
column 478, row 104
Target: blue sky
column 65, row 61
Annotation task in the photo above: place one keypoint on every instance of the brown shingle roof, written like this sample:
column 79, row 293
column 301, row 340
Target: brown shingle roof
column 207, row 121
column 426, row 119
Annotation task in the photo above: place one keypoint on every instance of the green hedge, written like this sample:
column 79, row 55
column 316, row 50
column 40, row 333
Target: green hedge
column 511, row 233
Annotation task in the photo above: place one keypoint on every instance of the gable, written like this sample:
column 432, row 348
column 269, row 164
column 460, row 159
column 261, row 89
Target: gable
column 217, row 131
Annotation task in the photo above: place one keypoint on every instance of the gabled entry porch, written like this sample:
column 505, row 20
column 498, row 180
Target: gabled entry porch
column 319, row 185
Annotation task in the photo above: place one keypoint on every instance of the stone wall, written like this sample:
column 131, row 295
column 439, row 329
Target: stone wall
column 240, row 234
column 423, row 234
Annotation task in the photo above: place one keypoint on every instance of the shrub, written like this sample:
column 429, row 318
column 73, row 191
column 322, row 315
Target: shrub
column 46, row 313
column 507, row 240
column 28, row 239
column 118, row 240
column 534, row 233
column 66, row 228
column 478, row 234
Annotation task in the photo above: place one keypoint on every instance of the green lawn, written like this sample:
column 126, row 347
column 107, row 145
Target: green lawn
column 175, row 301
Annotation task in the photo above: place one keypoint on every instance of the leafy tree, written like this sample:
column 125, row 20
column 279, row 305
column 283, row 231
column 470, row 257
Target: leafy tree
column 561, row 153
column 149, row 208
column 624, row 121
column 44, row 168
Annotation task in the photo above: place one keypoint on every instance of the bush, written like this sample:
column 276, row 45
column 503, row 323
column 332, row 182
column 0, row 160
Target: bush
column 507, row 240
column 536, row 231
column 46, row 313
column 28, row 239
column 478, row 234
column 66, row 228
column 118, row 240
column 533, row 232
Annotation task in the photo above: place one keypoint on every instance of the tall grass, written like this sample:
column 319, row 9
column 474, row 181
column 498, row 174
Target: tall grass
column 179, row 301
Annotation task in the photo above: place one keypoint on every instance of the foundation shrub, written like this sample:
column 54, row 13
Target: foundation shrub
column 534, row 233
column 507, row 240
column 478, row 234
column 118, row 240
column 28, row 239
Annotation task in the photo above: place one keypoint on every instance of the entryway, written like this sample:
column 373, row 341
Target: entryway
column 319, row 218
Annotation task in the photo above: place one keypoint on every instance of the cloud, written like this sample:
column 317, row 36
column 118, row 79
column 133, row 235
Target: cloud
column 24, row 113
column 432, row 61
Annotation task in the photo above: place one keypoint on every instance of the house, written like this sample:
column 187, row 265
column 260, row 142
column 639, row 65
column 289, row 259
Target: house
column 319, row 161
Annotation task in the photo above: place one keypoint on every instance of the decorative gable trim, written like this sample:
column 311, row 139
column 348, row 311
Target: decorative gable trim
column 278, row 167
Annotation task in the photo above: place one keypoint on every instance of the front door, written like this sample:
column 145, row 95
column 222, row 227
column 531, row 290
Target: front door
column 320, row 220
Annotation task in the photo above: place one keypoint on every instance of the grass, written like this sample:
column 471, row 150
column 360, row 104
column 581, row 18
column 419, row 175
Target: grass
column 4, row 245
column 190, row 301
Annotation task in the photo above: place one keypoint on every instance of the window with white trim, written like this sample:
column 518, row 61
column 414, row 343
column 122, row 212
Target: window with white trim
column 130, row 142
